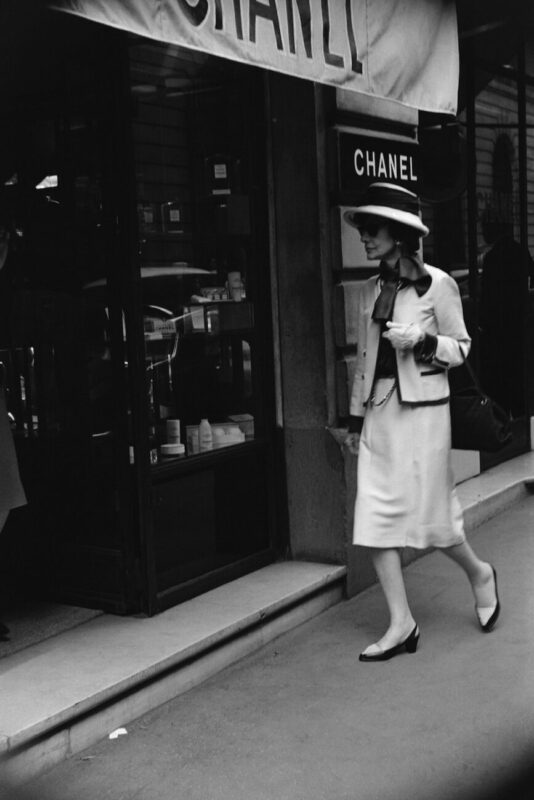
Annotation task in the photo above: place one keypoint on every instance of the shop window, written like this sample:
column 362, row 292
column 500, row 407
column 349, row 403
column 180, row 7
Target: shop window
column 198, row 133
column 196, row 171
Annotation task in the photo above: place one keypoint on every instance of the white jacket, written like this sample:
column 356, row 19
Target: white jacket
column 438, row 312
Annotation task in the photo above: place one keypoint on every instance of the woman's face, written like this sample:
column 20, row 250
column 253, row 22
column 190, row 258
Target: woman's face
column 377, row 240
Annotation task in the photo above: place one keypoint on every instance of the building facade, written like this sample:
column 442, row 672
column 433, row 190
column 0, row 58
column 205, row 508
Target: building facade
column 178, row 308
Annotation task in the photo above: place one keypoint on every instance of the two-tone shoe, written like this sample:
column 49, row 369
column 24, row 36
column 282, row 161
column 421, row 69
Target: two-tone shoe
column 409, row 645
column 488, row 615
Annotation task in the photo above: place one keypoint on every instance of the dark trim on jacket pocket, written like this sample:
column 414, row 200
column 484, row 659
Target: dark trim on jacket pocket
column 417, row 403
column 437, row 371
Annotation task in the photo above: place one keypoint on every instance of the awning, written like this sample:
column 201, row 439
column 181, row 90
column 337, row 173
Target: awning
column 404, row 51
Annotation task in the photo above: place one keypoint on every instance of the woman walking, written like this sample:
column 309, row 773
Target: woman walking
column 411, row 331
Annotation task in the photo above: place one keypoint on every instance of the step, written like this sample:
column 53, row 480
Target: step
column 62, row 695
column 493, row 491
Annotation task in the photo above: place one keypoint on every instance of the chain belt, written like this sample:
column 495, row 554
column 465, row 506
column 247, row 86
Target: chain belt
column 372, row 398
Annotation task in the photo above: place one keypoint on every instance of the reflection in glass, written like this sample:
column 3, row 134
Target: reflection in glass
column 195, row 242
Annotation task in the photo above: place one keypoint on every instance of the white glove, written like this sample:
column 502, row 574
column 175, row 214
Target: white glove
column 404, row 337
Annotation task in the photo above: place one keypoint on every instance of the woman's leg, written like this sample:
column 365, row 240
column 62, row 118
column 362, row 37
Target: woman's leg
column 480, row 573
column 388, row 567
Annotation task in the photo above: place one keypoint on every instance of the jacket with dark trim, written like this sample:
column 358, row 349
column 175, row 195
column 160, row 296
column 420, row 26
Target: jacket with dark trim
column 422, row 374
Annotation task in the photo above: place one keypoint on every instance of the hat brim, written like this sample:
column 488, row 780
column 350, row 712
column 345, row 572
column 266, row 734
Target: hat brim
column 404, row 217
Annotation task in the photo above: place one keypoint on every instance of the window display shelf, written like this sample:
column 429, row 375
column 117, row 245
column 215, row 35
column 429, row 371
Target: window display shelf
column 172, row 467
column 221, row 316
column 212, row 319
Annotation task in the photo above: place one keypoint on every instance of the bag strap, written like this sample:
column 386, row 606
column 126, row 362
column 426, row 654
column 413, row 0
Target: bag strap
column 472, row 374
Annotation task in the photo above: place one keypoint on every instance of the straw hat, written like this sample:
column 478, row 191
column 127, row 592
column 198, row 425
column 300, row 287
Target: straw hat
column 389, row 201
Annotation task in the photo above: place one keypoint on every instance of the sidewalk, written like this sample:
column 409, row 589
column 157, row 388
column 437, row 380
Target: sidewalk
column 68, row 692
column 302, row 719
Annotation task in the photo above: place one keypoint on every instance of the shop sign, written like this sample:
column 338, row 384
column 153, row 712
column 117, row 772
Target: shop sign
column 376, row 48
column 363, row 160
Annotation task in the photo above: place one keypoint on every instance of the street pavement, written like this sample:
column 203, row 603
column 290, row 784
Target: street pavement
column 303, row 719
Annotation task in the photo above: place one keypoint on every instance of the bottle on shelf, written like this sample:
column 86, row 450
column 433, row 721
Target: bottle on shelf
column 152, row 434
column 205, row 436
column 172, row 431
column 236, row 287
column 153, row 445
column 131, row 448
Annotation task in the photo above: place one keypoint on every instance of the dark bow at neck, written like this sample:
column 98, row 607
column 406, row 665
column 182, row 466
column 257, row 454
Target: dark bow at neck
column 408, row 271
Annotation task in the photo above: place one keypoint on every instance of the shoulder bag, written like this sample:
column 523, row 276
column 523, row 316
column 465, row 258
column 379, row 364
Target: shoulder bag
column 477, row 421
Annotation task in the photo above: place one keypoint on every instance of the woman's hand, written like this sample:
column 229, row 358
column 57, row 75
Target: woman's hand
column 404, row 337
column 352, row 443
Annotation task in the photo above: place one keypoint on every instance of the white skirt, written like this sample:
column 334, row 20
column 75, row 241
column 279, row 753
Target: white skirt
column 406, row 495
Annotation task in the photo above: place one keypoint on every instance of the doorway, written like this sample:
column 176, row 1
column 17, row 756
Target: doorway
column 476, row 180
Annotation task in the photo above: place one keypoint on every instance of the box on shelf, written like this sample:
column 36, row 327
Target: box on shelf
column 192, row 440
column 219, row 317
column 224, row 434
column 245, row 422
